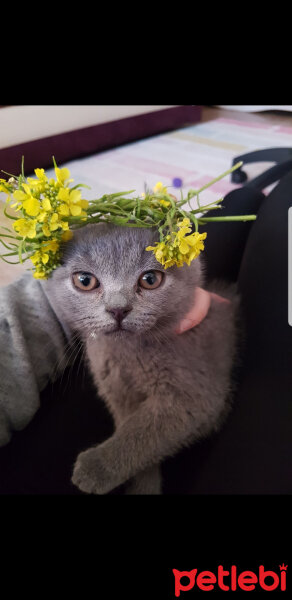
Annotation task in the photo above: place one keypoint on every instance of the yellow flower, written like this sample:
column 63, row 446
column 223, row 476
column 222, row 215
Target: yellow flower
column 53, row 184
column 51, row 246
column 31, row 206
column 26, row 227
column 67, row 235
column 164, row 202
column 164, row 253
column 184, row 223
column 179, row 248
column 46, row 204
column 192, row 245
column 27, row 188
column 72, row 203
column 63, row 175
column 42, row 216
column 19, row 195
column 41, row 180
column 158, row 250
column 64, row 225
column 159, row 188
column 40, row 173
column 38, row 257
column 54, row 222
column 51, row 224
column 3, row 188
column 63, row 210
column 40, row 275
column 46, row 231
column 184, row 228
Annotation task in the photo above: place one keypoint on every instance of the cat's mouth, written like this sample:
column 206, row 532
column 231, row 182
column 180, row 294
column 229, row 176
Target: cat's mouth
column 119, row 330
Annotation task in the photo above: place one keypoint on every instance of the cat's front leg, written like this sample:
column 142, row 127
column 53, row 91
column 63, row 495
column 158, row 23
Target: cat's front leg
column 146, row 483
column 157, row 429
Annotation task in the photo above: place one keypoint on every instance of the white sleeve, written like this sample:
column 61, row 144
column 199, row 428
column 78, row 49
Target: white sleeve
column 32, row 348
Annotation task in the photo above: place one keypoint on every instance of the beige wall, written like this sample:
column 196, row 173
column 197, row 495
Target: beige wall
column 24, row 123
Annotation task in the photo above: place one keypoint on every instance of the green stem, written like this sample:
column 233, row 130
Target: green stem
column 206, row 206
column 10, row 174
column 232, row 218
column 193, row 193
column 9, row 216
column 239, row 164
column 6, row 246
column 8, row 261
column 10, row 254
column 195, row 221
column 13, row 237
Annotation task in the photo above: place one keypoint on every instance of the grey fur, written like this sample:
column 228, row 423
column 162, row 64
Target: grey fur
column 164, row 390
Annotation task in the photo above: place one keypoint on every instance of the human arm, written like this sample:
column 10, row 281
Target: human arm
column 32, row 346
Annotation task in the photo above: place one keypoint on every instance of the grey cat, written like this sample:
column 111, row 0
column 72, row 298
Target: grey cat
column 164, row 390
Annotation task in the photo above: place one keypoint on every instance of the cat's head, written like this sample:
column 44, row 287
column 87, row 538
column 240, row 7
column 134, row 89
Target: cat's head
column 110, row 285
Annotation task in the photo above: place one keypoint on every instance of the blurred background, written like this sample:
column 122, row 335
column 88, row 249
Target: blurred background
column 115, row 148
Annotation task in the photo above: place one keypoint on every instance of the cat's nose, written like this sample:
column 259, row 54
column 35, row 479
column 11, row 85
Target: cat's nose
column 119, row 313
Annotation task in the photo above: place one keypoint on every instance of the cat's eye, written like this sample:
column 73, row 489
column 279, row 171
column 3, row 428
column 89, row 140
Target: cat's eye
column 85, row 281
column 151, row 280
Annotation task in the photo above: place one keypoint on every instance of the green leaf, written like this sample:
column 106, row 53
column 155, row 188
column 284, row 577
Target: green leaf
column 138, row 207
column 117, row 194
column 120, row 220
column 80, row 185
column 126, row 203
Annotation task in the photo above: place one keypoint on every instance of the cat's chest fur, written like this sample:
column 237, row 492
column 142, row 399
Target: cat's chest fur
column 124, row 375
column 196, row 364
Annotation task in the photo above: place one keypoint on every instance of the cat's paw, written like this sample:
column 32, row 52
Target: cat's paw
column 91, row 473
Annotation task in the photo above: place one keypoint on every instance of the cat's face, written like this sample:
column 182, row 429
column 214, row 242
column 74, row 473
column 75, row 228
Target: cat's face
column 110, row 285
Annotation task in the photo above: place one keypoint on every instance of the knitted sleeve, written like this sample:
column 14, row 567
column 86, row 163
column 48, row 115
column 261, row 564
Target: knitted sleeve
column 32, row 348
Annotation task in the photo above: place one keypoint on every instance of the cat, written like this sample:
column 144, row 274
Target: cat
column 163, row 390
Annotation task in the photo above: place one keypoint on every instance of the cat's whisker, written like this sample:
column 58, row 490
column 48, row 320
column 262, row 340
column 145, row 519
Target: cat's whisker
column 81, row 361
column 70, row 373
column 59, row 362
column 69, row 353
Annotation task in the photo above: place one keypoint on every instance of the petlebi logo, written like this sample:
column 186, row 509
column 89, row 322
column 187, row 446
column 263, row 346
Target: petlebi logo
column 230, row 579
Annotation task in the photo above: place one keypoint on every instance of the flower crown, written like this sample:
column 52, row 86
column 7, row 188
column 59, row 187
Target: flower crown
column 51, row 210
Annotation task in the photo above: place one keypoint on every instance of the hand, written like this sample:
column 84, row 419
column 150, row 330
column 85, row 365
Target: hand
column 199, row 310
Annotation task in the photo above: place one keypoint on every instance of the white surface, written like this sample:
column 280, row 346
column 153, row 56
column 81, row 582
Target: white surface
column 256, row 107
column 24, row 123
